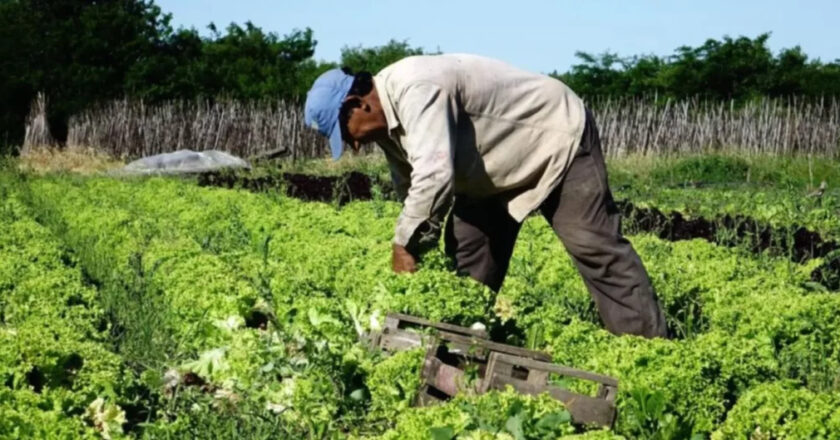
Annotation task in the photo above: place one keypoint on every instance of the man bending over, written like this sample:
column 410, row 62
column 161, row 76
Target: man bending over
column 487, row 144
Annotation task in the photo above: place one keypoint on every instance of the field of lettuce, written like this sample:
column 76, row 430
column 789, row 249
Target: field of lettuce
column 157, row 308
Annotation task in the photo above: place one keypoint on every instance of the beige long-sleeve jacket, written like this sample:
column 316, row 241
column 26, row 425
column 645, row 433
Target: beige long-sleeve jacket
column 465, row 124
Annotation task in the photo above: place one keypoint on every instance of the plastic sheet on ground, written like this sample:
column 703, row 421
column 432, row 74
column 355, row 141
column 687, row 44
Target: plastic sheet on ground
column 184, row 162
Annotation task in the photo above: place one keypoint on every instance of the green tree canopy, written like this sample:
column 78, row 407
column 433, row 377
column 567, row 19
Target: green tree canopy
column 74, row 51
column 730, row 68
column 242, row 63
column 374, row 59
column 79, row 52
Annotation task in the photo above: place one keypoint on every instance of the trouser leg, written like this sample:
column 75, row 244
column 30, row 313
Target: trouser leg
column 479, row 236
column 584, row 216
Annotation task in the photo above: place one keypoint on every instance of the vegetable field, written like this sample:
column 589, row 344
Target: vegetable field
column 158, row 308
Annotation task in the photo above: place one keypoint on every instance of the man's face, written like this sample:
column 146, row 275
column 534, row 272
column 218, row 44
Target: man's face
column 362, row 120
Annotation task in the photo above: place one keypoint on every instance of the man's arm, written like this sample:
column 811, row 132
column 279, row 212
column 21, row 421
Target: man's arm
column 428, row 116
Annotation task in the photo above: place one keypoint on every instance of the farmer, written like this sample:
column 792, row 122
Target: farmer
column 493, row 143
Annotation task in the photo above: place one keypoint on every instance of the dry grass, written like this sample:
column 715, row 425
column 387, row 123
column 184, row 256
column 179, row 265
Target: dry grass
column 86, row 160
column 43, row 160
column 370, row 163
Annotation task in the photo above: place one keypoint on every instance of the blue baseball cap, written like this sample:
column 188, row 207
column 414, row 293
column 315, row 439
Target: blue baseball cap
column 323, row 102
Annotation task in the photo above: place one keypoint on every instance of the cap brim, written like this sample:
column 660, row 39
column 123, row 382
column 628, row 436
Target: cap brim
column 336, row 144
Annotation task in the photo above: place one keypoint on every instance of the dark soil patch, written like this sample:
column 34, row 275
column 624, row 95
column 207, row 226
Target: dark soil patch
column 343, row 189
column 191, row 379
column 257, row 320
column 508, row 332
column 828, row 274
column 62, row 374
column 72, row 364
column 796, row 242
column 139, row 410
column 76, row 300
column 35, row 378
column 802, row 243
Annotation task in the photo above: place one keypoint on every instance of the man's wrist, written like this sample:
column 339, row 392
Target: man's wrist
column 425, row 238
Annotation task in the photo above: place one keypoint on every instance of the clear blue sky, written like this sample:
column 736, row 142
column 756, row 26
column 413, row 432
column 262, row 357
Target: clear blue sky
column 538, row 35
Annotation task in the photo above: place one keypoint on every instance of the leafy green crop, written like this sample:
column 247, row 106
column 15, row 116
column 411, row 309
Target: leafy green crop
column 492, row 415
column 223, row 313
column 781, row 410
column 54, row 358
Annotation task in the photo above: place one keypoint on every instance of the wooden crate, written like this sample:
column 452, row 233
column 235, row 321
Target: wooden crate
column 529, row 376
column 457, row 363
column 404, row 332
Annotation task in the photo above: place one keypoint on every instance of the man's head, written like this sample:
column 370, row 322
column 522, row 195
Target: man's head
column 345, row 107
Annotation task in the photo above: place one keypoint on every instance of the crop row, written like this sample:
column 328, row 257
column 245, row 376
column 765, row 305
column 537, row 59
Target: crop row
column 781, row 192
column 262, row 298
column 775, row 207
column 772, row 215
column 61, row 378
column 234, row 294
column 714, row 214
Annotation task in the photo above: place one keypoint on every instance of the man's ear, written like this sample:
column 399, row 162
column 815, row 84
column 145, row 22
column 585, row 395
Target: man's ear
column 351, row 98
column 347, row 106
column 352, row 102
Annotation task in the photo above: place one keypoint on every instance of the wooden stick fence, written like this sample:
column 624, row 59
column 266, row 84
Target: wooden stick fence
column 37, row 130
column 774, row 126
column 131, row 129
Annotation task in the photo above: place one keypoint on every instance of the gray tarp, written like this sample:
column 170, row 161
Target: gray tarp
column 183, row 162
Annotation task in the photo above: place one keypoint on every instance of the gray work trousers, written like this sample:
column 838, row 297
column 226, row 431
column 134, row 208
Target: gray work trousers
column 480, row 235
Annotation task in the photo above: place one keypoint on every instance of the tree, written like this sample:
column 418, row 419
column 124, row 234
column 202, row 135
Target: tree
column 16, row 87
column 170, row 71
column 75, row 51
column 374, row 59
column 80, row 52
column 732, row 68
column 243, row 63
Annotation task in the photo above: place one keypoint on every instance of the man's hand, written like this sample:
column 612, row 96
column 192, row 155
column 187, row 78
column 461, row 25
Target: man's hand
column 402, row 260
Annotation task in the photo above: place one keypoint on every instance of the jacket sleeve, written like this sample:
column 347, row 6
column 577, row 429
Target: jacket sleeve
column 400, row 169
column 428, row 116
